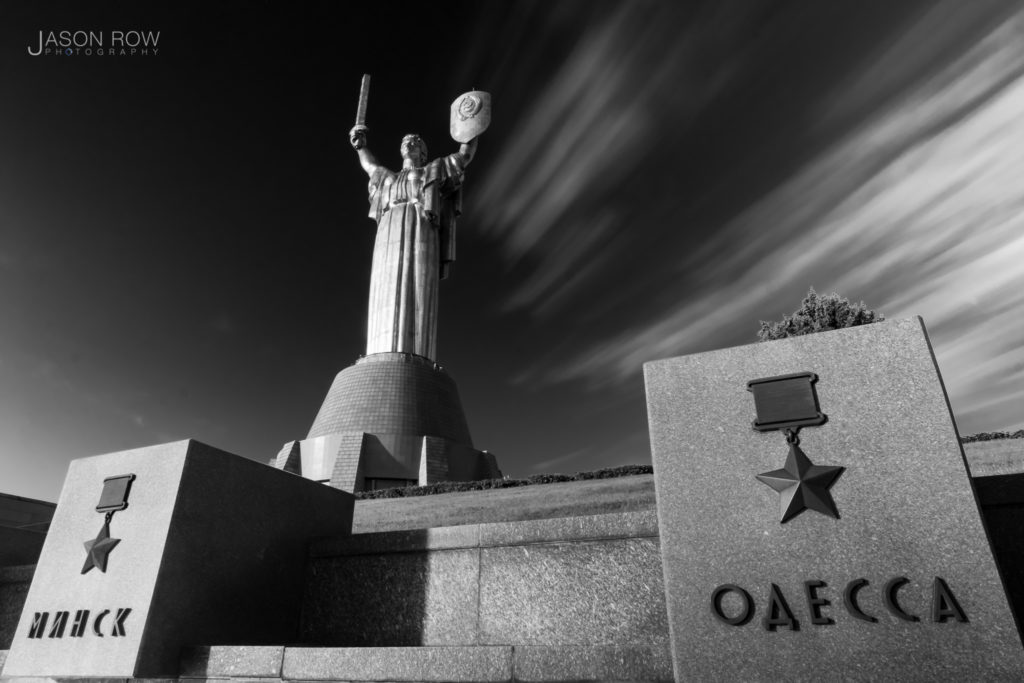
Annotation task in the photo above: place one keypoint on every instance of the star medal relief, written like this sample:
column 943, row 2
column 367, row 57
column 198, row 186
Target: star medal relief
column 787, row 403
column 113, row 499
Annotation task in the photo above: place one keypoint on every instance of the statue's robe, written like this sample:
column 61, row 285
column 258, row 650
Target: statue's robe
column 415, row 210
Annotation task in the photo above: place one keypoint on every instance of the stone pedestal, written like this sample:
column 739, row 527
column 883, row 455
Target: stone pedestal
column 882, row 567
column 211, row 548
column 390, row 419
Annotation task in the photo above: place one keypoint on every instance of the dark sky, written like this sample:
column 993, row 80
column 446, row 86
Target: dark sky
column 185, row 250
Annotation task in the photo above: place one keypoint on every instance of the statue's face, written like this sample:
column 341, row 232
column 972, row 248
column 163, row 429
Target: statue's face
column 414, row 149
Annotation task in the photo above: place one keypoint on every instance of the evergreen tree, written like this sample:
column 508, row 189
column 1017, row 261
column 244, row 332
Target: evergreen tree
column 819, row 314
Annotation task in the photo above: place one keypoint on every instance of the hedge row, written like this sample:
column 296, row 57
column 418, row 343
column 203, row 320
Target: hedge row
column 993, row 436
column 455, row 486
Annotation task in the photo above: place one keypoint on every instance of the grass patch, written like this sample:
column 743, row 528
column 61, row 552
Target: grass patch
column 485, row 484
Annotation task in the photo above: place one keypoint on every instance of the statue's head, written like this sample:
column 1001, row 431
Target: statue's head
column 414, row 149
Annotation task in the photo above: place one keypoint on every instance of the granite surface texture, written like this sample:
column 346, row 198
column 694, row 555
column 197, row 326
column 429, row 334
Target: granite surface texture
column 220, row 661
column 242, row 664
column 619, row 663
column 580, row 528
column 393, row 599
column 450, row 664
column 905, row 503
column 213, row 548
column 442, row 538
column 579, row 581
column 588, row 593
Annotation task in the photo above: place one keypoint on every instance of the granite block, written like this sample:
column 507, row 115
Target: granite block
column 608, row 663
column 231, row 661
column 581, row 528
column 212, row 548
column 449, row 664
column 905, row 504
column 407, row 599
column 586, row 593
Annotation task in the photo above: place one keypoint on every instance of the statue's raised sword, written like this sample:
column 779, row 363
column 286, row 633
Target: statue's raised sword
column 364, row 98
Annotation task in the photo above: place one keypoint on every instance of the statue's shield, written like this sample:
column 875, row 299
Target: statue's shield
column 471, row 114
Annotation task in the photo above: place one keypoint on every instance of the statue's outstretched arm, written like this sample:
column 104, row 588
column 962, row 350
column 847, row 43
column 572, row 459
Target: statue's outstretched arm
column 468, row 150
column 357, row 137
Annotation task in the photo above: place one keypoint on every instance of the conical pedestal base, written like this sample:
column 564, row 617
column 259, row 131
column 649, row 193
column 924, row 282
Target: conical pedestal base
column 391, row 419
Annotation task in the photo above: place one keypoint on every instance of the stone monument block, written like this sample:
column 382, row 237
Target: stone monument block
column 850, row 547
column 171, row 545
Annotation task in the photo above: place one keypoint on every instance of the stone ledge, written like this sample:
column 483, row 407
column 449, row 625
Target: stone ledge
column 565, row 529
column 218, row 661
column 607, row 663
column 418, row 540
column 449, row 664
column 588, row 528
column 92, row 679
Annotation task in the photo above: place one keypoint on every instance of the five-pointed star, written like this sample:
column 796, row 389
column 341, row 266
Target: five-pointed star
column 802, row 485
column 98, row 549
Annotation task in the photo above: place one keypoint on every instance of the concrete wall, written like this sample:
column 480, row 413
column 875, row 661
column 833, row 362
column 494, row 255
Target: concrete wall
column 25, row 513
column 23, row 526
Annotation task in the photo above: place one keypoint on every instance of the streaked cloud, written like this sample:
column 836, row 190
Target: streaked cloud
column 919, row 211
column 551, row 192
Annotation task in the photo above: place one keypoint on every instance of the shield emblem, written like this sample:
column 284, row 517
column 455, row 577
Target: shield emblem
column 471, row 114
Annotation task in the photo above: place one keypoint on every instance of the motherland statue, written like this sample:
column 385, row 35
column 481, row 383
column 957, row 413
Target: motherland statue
column 394, row 417
column 415, row 209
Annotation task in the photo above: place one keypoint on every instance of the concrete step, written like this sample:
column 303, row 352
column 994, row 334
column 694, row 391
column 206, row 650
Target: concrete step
column 482, row 663
column 478, row 663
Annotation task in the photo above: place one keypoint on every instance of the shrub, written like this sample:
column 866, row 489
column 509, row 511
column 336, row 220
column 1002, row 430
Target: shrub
column 993, row 436
column 819, row 314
